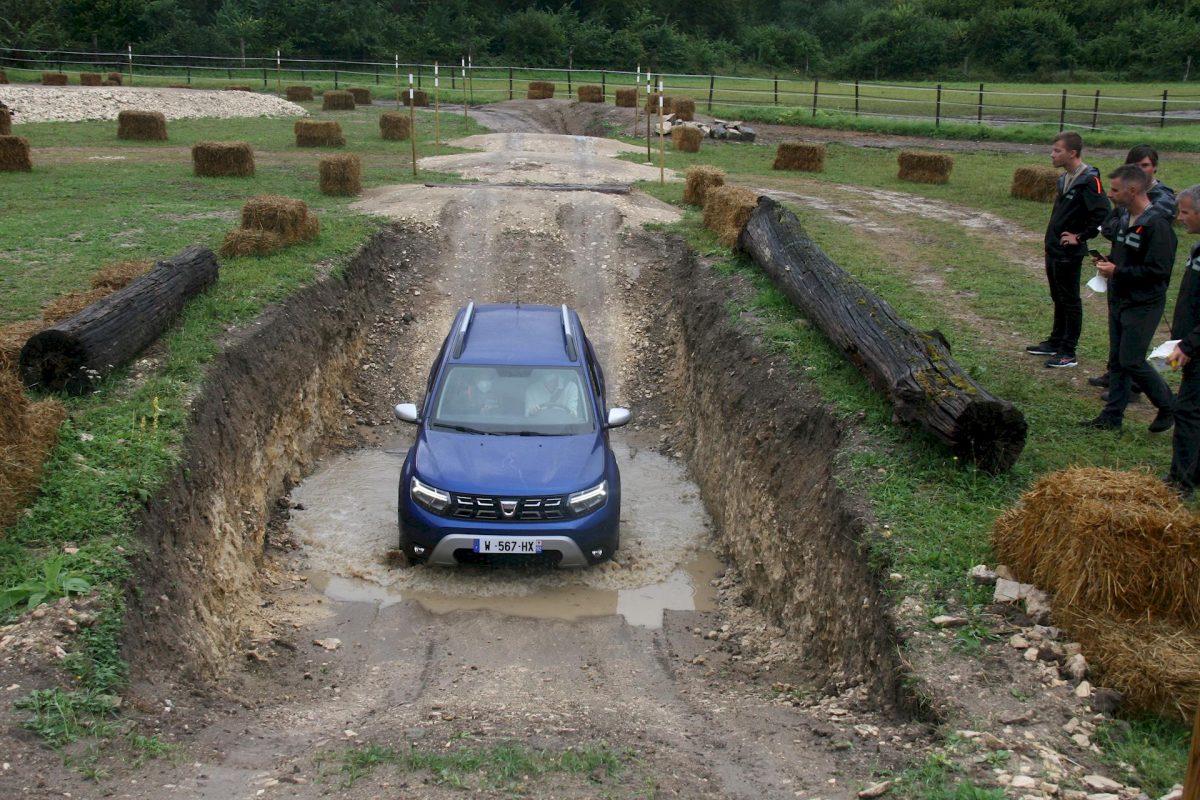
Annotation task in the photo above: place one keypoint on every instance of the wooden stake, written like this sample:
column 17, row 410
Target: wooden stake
column 1191, row 780
column 637, row 87
column 412, row 122
column 661, row 137
column 437, row 108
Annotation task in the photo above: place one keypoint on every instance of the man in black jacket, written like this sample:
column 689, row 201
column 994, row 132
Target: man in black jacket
column 1138, row 272
column 1079, row 208
column 1185, row 326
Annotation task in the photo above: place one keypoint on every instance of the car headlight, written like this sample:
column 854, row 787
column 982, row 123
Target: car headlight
column 588, row 499
column 428, row 496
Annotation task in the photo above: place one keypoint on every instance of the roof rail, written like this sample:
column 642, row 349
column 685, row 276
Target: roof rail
column 572, row 350
column 461, row 339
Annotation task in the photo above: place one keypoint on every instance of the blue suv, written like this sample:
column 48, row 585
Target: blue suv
column 512, row 457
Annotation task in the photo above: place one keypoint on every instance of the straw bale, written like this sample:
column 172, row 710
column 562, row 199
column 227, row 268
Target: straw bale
column 298, row 94
column 28, row 432
column 237, row 87
column 283, row 216
column 700, row 179
column 590, row 94
column 362, row 97
column 5, row 121
column 91, row 79
column 420, row 99
column 13, row 337
column 1106, row 542
column 341, row 175
column 686, row 139
column 119, row 274
column 318, row 133
column 244, row 242
column 394, row 126
column 115, row 77
column 142, row 125
column 68, row 305
column 337, row 101
column 726, row 210
column 540, row 90
column 54, row 79
column 800, row 157
column 14, row 154
column 221, row 159
column 627, row 98
column 683, row 108
column 112, row 83
column 652, row 104
column 920, row 167
column 1035, row 183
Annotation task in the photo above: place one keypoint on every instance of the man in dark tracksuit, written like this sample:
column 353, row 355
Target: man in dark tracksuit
column 1079, row 208
column 1138, row 272
column 1161, row 195
column 1185, row 326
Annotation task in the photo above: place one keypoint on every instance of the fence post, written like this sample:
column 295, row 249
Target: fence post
column 1062, row 112
column 937, row 108
column 264, row 77
column 418, row 76
column 335, row 79
column 816, row 86
column 569, row 90
column 604, row 85
column 510, row 92
column 189, row 74
column 229, row 72
column 856, row 97
column 1162, row 119
column 303, row 73
column 377, row 80
column 980, row 119
column 712, row 82
column 776, row 90
column 1095, row 109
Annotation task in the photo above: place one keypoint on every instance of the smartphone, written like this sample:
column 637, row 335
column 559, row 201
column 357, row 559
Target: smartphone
column 1097, row 254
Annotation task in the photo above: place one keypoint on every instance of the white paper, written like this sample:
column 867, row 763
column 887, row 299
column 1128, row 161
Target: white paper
column 1098, row 283
column 1163, row 350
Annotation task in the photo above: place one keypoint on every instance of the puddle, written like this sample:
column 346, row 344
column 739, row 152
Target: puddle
column 347, row 526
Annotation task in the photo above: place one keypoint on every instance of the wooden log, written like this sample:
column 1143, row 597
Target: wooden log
column 913, row 368
column 1191, row 779
column 75, row 354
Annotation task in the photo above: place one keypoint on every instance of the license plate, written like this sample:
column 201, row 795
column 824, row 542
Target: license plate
column 508, row 545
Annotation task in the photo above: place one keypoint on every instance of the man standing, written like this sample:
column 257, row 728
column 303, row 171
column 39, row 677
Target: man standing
column 1138, row 272
column 1185, row 326
column 1079, row 208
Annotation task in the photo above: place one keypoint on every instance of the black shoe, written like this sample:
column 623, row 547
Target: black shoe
column 1134, row 397
column 1102, row 423
column 1046, row 348
column 1099, row 380
column 1061, row 361
column 1163, row 421
column 1184, row 492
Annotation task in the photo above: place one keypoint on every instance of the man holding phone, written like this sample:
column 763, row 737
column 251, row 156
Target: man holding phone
column 1079, row 207
column 1185, row 326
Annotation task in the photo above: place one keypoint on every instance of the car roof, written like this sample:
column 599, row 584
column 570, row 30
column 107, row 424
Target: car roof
column 515, row 334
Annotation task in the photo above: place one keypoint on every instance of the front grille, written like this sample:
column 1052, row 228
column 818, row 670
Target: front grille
column 523, row 509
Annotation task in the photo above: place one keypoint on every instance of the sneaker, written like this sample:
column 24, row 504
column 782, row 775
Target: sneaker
column 1099, row 380
column 1060, row 361
column 1046, row 348
column 1164, row 420
column 1102, row 423
column 1184, row 492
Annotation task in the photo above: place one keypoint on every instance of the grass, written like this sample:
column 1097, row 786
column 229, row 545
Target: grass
column 1147, row 752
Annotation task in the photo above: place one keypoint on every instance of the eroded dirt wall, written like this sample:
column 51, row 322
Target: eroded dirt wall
column 274, row 391
column 763, row 449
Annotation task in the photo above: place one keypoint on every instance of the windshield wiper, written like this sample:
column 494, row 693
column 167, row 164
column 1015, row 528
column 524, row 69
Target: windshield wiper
column 531, row 433
column 464, row 429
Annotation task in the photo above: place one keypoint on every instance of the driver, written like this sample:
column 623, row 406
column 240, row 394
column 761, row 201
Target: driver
column 550, row 390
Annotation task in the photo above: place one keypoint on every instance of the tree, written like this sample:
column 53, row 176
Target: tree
column 534, row 38
column 1021, row 41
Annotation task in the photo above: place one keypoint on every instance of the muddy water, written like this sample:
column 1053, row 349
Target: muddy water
column 347, row 525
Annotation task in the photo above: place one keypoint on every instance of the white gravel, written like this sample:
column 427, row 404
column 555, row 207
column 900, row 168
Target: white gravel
column 77, row 103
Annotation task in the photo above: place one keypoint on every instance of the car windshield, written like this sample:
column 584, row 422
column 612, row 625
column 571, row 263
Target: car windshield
column 506, row 400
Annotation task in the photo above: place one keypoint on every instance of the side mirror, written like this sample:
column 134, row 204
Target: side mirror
column 618, row 417
column 407, row 412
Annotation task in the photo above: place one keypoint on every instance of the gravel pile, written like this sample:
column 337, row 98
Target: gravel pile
column 76, row 103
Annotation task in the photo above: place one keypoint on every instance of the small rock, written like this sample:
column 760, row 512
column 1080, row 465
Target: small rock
column 1084, row 689
column 1101, row 784
column 1031, row 654
column 948, row 621
column 1010, row 591
column 1082, row 740
column 1037, row 605
column 1073, row 794
column 1048, row 788
column 876, row 790
column 982, row 575
column 1018, row 642
column 1076, row 667
column 1024, row 782
column 1002, row 571
column 1176, row 793
column 330, row 644
column 1103, row 796
column 1105, row 701
column 699, row 660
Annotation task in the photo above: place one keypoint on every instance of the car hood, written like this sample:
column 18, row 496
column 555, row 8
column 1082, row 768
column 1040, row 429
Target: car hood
column 521, row 465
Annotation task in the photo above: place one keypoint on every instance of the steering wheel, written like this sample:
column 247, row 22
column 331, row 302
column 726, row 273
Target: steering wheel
column 560, row 406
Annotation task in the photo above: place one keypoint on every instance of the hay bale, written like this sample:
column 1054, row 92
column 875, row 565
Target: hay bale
column 1106, row 543
column 800, row 157
column 28, row 432
column 286, row 217
column 119, row 274
column 112, row 83
column 700, row 179
column 683, row 108
column 243, row 242
column 686, row 139
column 362, row 97
column 54, row 79
column 920, row 167
column 726, row 209
column 652, row 104
column 113, row 79
column 627, row 98
column 337, row 101
column 590, row 94
column 5, row 121
column 419, row 98
column 540, row 90
column 142, row 125
column 222, row 159
column 14, row 154
column 318, row 133
column 91, row 79
column 68, row 305
column 395, row 126
column 299, row 94
column 1035, row 183
column 12, row 338
column 341, row 175
column 237, row 87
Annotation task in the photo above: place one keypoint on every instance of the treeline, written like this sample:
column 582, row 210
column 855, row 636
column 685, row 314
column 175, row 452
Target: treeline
column 1129, row 39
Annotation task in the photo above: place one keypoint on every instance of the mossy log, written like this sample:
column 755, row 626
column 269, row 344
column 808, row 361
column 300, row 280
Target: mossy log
column 913, row 368
column 75, row 354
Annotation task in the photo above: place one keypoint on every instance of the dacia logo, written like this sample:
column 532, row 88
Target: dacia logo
column 508, row 507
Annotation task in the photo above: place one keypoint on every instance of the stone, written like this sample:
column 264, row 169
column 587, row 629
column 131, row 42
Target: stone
column 1031, row 654
column 981, row 575
column 1073, row 794
column 1084, row 689
column 1024, row 782
column 1075, row 667
column 1018, row 642
column 1002, row 571
column 949, row 621
column 1103, row 796
column 876, row 790
column 330, row 644
column 1082, row 740
column 1101, row 783
column 1105, row 701
column 1176, row 793
column 1037, row 605
column 1009, row 591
